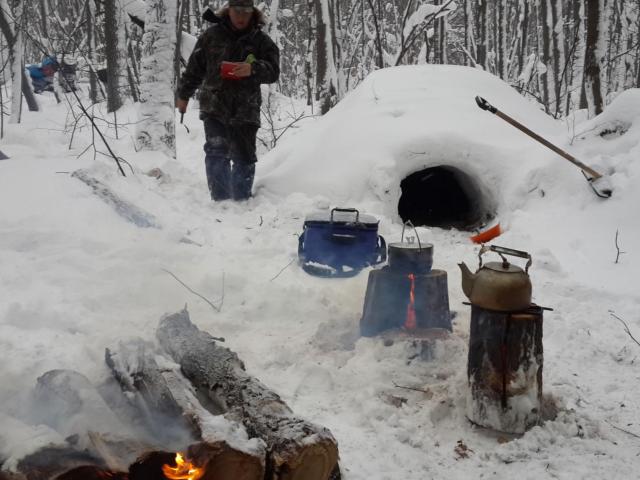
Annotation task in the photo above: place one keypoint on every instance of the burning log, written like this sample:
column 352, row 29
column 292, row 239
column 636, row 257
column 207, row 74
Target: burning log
column 70, row 404
column 77, row 411
column 173, row 413
column 297, row 449
column 92, row 473
column 49, row 462
column 136, row 370
column 505, row 368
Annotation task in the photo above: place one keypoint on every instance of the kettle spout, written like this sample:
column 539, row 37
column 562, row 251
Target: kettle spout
column 468, row 279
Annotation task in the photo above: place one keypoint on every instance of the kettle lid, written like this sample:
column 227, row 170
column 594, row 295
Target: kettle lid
column 502, row 267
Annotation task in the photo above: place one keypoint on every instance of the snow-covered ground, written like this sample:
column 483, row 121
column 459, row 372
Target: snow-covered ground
column 75, row 277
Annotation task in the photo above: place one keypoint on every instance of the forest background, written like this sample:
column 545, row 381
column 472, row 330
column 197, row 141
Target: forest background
column 565, row 55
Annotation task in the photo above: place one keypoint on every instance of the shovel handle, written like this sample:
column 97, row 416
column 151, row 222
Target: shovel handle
column 484, row 105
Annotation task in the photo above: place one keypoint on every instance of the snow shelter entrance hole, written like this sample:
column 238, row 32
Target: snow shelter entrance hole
column 444, row 197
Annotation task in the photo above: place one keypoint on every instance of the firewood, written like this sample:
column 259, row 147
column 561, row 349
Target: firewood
column 297, row 449
column 92, row 473
column 136, row 370
column 49, row 462
column 72, row 406
column 76, row 410
column 149, row 466
column 221, row 462
column 166, row 399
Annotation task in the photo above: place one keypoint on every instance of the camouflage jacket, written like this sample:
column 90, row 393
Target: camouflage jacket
column 233, row 102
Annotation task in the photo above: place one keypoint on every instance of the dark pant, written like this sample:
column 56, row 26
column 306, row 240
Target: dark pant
column 227, row 145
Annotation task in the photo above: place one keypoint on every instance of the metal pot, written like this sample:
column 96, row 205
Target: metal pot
column 410, row 256
column 498, row 286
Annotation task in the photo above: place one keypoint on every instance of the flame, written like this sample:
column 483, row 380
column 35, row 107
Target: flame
column 184, row 470
column 411, row 323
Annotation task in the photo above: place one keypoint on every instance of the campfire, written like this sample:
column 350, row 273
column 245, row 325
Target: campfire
column 406, row 296
column 225, row 424
column 184, row 470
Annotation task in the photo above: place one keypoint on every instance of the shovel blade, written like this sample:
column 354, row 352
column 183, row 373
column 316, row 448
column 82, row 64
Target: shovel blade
column 601, row 186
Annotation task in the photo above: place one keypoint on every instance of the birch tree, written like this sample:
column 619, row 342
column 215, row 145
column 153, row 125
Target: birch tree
column 156, row 127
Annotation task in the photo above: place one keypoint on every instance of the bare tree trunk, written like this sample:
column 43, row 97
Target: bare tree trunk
column 17, row 68
column 112, row 52
column 558, row 53
column 593, row 58
column 544, row 39
column 326, row 88
column 468, row 33
column 481, row 33
column 378, row 37
column 8, row 33
column 91, row 44
column 524, row 35
column 156, row 129
column 310, row 49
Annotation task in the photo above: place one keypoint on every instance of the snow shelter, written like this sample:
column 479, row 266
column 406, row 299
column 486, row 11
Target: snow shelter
column 410, row 143
column 443, row 196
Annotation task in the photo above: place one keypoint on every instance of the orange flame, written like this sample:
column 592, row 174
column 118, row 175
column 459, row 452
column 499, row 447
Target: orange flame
column 184, row 470
column 411, row 323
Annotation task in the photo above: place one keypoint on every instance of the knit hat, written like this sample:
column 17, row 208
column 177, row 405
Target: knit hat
column 245, row 5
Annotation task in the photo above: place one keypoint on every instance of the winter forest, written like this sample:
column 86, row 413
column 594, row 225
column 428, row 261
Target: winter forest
column 567, row 55
column 345, row 317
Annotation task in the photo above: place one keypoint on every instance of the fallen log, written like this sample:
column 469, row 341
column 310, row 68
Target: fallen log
column 136, row 370
column 172, row 411
column 297, row 449
column 20, row 442
column 92, row 473
column 125, row 209
column 69, row 403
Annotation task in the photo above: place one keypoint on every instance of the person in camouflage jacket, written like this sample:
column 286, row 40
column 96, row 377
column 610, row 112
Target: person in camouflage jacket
column 230, row 103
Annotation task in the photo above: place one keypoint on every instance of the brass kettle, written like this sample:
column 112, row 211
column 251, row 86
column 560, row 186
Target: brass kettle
column 498, row 286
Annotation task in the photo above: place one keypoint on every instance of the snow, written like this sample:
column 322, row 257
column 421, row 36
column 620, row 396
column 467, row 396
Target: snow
column 77, row 277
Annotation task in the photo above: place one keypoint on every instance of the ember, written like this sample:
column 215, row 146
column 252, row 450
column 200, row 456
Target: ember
column 184, row 470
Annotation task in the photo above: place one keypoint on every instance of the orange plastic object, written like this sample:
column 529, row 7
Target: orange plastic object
column 487, row 235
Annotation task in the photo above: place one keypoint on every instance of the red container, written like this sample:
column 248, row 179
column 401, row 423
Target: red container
column 226, row 70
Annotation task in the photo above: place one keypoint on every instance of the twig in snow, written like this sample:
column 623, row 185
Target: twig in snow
column 410, row 388
column 623, row 430
column 618, row 248
column 216, row 308
column 261, row 221
column 626, row 327
column 283, row 269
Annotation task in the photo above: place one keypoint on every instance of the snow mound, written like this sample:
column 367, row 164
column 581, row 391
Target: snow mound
column 406, row 119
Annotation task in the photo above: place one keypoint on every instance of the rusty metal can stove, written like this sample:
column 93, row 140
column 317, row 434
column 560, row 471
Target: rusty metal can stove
column 407, row 293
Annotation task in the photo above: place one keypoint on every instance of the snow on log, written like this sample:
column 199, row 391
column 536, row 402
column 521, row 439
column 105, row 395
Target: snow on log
column 136, row 370
column 123, row 208
column 297, row 449
column 175, row 415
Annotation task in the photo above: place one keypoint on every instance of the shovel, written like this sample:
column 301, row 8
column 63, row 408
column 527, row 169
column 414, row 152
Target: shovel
column 597, row 181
